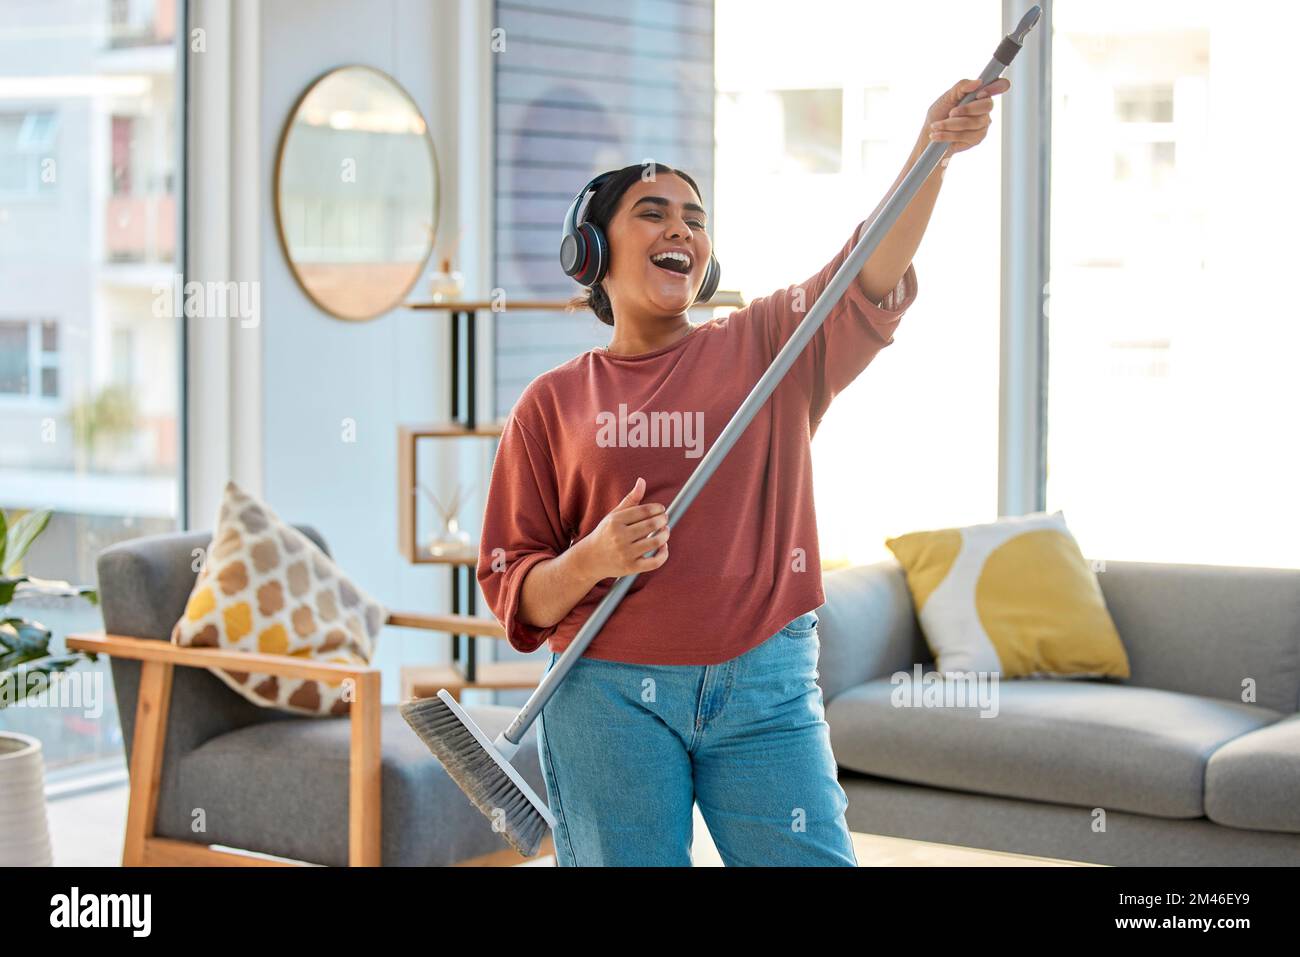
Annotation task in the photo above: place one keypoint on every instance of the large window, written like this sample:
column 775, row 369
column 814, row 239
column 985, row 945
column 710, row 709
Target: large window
column 29, row 358
column 1172, row 328
column 817, row 111
column 89, row 375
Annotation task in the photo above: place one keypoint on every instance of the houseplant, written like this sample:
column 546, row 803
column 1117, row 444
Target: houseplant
column 100, row 424
column 26, row 668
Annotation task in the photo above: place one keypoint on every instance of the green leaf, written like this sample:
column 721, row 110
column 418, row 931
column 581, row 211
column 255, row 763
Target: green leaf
column 32, row 630
column 23, row 640
column 8, row 586
column 20, row 536
column 4, row 538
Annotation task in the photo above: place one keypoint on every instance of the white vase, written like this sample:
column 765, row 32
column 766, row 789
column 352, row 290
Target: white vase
column 24, row 830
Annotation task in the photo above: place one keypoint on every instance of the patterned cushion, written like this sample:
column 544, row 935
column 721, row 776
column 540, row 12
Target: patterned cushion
column 1014, row 596
column 266, row 587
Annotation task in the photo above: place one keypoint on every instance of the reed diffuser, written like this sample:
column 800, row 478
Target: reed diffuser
column 446, row 284
column 450, row 541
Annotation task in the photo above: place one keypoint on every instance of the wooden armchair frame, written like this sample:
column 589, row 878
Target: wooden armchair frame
column 158, row 659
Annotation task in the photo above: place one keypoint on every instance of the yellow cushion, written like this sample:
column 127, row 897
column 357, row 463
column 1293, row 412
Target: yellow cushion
column 266, row 587
column 1014, row 596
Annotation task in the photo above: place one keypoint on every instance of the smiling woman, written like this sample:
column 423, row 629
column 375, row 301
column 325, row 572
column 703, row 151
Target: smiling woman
column 643, row 252
column 577, row 501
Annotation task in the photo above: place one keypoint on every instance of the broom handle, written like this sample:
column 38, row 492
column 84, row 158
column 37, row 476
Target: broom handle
column 767, row 384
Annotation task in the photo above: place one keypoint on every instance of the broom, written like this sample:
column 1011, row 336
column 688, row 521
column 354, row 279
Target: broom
column 482, row 768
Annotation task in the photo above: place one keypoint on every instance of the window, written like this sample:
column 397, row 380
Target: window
column 1172, row 329
column 123, row 138
column 27, row 152
column 15, row 368
column 29, row 358
column 89, row 377
column 797, row 131
column 1148, row 103
column 913, row 442
column 876, row 118
column 812, row 123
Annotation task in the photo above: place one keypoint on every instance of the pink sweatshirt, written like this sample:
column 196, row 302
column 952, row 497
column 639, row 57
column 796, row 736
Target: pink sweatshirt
column 743, row 560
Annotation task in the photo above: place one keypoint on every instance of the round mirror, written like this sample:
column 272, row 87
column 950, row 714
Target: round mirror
column 356, row 193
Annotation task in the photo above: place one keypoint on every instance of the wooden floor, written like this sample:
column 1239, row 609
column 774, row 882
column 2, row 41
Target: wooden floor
column 87, row 830
column 874, row 850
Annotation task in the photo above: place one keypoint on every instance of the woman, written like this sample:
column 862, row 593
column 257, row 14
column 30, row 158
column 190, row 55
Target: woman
column 701, row 687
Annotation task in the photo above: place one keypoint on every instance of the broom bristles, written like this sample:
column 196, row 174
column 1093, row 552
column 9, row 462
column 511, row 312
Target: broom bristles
column 479, row 770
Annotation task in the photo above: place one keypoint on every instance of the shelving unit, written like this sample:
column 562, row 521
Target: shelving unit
column 408, row 438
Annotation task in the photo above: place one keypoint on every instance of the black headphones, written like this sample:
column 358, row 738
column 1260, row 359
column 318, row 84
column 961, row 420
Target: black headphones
column 584, row 250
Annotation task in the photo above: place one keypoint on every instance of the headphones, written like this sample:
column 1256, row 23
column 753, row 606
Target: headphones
column 584, row 250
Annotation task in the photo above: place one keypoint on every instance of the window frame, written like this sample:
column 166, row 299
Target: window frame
column 1025, row 233
column 37, row 361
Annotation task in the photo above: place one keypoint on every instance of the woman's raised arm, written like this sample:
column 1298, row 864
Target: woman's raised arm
column 963, row 127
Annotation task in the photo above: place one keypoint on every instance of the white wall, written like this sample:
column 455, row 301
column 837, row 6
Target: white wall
column 317, row 371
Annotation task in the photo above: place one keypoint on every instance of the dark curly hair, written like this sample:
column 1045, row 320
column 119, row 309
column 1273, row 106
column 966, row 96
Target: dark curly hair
column 600, row 210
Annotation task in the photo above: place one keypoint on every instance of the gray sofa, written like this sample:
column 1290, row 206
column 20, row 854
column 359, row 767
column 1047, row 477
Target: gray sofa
column 269, row 781
column 1185, row 772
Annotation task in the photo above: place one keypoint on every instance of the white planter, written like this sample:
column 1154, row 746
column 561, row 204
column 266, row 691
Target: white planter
column 24, row 831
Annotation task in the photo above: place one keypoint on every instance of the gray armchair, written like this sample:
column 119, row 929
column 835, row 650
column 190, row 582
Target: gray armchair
column 209, row 767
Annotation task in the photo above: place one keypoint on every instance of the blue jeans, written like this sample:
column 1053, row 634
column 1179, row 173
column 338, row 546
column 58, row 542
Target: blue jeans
column 628, row 749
